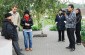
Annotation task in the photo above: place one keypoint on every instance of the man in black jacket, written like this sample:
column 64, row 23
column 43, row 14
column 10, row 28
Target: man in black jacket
column 9, row 31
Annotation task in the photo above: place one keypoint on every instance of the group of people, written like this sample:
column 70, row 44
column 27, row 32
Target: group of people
column 10, row 28
column 70, row 20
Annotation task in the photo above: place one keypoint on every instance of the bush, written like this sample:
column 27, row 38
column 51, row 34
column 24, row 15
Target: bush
column 83, row 32
column 83, row 28
column 83, row 35
column 53, row 28
column 20, row 28
column 35, row 28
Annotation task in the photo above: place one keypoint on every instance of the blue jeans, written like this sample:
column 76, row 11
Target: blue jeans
column 27, row 39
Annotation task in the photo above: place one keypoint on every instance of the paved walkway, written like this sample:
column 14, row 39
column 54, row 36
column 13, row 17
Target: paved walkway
column 49, row 45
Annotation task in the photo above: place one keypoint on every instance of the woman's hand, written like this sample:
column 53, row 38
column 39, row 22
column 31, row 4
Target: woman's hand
column 26, row 24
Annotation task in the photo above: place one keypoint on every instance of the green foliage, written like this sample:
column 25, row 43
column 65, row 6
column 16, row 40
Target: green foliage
column 83, row 35
column 48, row 21
column 4, row 7
column 38, row 8
column 83, row 30
column 20, row 28
column 35, row 28
column 53, row 28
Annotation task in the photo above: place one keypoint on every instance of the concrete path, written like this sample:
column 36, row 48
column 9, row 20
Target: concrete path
column 49, row 45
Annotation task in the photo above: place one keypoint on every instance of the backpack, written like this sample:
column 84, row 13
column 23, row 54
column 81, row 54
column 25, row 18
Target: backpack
column 4, row 32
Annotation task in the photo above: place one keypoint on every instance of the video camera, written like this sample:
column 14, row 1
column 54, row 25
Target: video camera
column 65, row 11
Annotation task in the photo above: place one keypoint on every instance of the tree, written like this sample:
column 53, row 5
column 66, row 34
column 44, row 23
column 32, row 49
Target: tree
column 38, row 8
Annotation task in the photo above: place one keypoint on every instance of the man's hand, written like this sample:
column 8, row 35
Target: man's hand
column 65, row 21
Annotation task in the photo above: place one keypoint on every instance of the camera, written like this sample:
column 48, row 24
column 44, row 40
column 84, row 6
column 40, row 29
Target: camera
column 65, row 11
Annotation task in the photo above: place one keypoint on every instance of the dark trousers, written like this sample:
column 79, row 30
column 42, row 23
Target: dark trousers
column 61, row 35
column 78, row 36
column 16, row 47
column 70, row 33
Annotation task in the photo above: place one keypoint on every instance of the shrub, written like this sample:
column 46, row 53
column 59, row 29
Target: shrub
column 83, row 28
column 53, row 28
column 83, row 32
column 35, row 28
column 20, row 28
column 83, row 35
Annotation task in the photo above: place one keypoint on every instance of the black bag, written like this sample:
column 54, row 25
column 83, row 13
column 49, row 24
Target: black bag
column 3, row 30
column 4, row 33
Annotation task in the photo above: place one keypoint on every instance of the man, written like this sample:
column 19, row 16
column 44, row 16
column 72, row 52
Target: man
column 9, row 31
column 71, row 25
column 16, row 16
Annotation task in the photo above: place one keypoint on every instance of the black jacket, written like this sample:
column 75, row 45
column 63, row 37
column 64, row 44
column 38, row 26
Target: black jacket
column 78, row 24
column 60, row 22
column 9, row 30
column 23, row 21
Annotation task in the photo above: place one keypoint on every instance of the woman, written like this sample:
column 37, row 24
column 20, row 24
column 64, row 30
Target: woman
column 60, row 18
column 26, row 23
column 78, row 26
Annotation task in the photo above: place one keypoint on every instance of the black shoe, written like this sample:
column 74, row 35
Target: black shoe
column 68, row 47
column 20, row 54
column 59, row 40
column 72, row 49
column 63, row 40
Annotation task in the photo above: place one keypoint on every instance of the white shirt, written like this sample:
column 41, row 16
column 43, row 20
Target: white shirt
column 15, row 18
column 27, row 30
